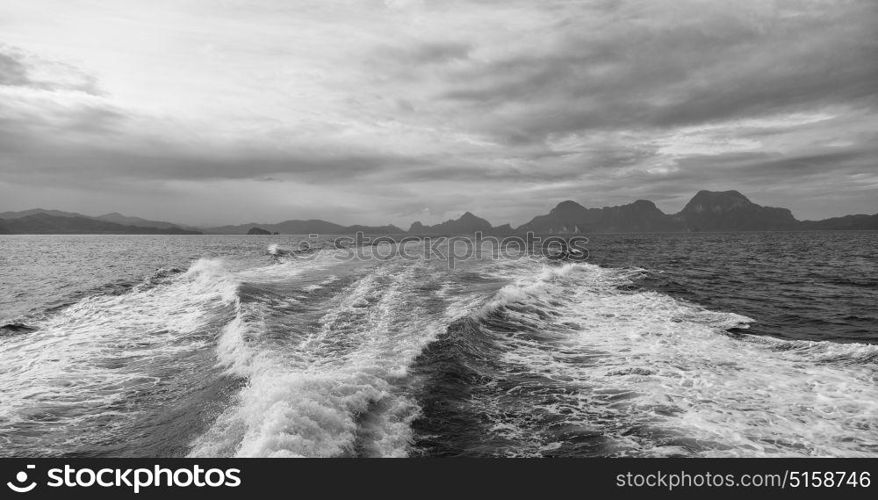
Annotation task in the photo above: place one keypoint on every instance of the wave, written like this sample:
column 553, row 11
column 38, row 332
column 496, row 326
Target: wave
column 574, row 361
column 331, row 383
column 309, row 250
column 500, row 358
column 16, row 329
column 325, row 282
column 73, row 376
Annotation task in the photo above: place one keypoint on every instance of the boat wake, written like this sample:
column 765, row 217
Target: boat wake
column 323, row 357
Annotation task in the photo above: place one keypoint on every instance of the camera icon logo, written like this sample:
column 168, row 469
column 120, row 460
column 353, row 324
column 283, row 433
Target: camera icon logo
column 21, row 478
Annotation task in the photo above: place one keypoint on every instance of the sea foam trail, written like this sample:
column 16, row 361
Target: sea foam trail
column 331, row 386
column 76, row 371
column 658, row 376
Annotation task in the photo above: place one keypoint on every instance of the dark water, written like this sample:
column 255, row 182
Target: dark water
column 803, row 286
column 737, row 344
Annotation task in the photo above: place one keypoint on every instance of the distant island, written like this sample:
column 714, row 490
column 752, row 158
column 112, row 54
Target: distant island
column 707, row 211
column 39, row 221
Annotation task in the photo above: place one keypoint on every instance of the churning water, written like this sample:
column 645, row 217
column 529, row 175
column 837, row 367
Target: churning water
column 750, row 344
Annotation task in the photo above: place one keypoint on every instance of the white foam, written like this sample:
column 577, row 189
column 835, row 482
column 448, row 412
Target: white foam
column 335, row 392
column 644, row 360
column 317, row 286
column 94, row 352
column 653, row 374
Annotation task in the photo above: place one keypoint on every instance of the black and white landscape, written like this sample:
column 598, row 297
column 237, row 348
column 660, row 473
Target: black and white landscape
column 232, row 229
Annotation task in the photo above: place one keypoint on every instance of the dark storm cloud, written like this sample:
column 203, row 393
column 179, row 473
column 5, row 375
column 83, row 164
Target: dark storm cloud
column 12, row 70
column 29, row 157
column 22, row 70
column 424, row 53
column 672, row 71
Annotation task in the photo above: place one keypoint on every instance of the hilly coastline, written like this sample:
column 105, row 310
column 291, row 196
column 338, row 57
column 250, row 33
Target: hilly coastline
column 54, row 222
column 707, row 211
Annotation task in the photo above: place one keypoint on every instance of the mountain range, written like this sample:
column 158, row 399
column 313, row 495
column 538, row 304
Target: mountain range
column 706, row 211
column 466, row 224
column 311, row 226
column 39, row 221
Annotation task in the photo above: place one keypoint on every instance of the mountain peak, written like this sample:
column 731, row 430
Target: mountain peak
column 568, row 208
column 721, row 195
column 644, row 204
column 567, row 205
column 731, row 210
column 716, row 202
column 468, row 223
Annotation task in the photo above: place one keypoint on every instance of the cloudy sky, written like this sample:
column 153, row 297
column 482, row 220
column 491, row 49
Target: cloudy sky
column 370, row 111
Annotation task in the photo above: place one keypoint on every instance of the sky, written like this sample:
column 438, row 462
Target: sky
column 375, row 112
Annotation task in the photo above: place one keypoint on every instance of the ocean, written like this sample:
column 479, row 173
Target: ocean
column 657, row 345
